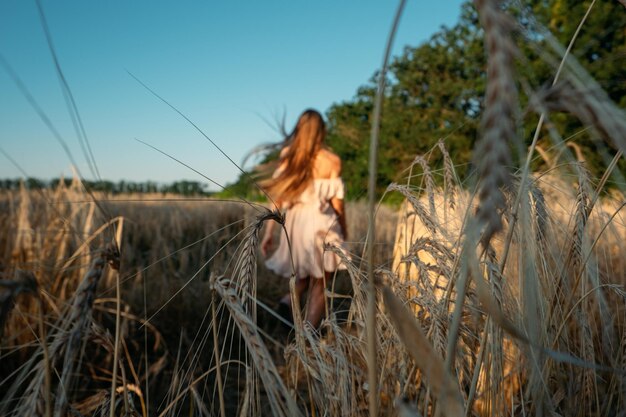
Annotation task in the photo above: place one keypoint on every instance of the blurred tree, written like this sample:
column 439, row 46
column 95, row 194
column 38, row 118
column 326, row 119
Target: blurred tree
column 185, row 188
column 436, row 90
column 600, row 48
column 601, row 43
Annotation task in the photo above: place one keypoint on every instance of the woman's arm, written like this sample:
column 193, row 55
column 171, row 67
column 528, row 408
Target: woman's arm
column 335, row 202
column 268, row 238
column 268, row 235
column 339, row 207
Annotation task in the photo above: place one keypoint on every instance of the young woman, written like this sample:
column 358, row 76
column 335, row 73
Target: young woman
column 307, row 183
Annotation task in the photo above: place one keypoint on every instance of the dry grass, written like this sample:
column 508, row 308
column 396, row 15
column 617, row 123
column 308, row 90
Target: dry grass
column 171, row 248
column 570, row 249
column 519, row 313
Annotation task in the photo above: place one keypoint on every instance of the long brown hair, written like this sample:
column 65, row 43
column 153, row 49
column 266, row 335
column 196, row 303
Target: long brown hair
column 295, row 166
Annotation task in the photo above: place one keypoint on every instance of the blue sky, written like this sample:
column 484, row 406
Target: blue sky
column 226, row 65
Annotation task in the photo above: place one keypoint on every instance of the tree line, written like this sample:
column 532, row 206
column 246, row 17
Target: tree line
column 184, row 187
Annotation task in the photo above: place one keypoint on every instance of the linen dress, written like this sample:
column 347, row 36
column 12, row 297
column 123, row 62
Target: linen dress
column 310, row 222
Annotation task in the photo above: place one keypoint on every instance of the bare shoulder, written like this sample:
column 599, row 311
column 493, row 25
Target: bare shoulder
column 333, row 158
column 283, row 151
column 335, row 163
column 331, row 163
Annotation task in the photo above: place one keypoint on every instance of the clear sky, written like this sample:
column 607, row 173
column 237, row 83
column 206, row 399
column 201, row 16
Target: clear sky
column 227, row 65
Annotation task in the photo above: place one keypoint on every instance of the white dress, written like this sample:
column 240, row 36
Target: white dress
column 310, row 222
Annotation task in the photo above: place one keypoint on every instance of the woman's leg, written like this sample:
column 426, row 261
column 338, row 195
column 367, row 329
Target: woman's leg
column 315, row 307
column 301, row 286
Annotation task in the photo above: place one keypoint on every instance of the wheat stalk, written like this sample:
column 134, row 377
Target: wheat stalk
column 449, row 175
column 498, row 120
column 79, row 319
column 428, row 181
column 418, row 208
column 443, row 385
column 541, row 216
column 590, row 105
column 245, row 266
column 372, row 364
column 66, row 344
column 280, row 400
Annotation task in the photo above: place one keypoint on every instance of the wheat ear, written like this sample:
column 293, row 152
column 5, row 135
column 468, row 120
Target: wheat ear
column 245, row 268
column 590, row 105
column 498, row 121
column 429, row 182
column 79, row 319
column 280, row 400
column 418, row 207
column 449, row 175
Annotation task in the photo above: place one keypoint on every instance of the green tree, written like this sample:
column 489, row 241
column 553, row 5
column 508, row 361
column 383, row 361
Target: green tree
column 600, row 48
column 434, row 91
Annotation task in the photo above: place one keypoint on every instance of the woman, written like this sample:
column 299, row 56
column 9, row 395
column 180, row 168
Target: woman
column 308, row 184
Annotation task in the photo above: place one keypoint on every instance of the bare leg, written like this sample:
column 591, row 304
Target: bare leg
column 301, row 286
column 315, row 306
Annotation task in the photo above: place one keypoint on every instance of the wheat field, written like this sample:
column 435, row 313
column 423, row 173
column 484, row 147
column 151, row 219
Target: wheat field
column 501, row 294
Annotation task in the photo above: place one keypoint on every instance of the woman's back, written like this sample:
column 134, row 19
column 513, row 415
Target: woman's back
column 326, row 164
